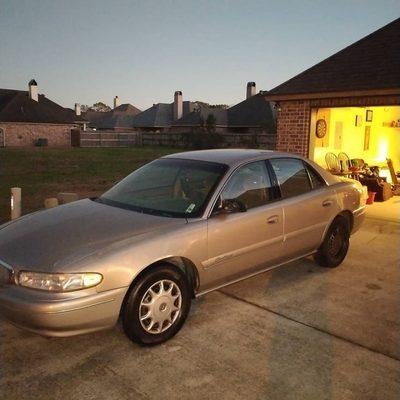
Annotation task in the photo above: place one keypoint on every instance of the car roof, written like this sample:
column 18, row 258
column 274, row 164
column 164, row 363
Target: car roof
column 229, row 157
column 236, row 157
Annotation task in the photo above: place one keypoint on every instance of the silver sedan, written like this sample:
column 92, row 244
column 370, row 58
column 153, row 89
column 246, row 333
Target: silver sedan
column 174, row 229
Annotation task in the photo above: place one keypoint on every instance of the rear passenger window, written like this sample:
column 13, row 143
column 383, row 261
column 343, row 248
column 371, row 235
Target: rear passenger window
column 316, row 180
column 292, row 176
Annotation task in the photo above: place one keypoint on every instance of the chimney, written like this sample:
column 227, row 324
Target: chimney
column 33, row 90
column 251, row 89
column 178, row 105
column 77, row 109
column 117, row 102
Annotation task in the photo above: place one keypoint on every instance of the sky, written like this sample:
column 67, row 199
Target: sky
column 143, row 51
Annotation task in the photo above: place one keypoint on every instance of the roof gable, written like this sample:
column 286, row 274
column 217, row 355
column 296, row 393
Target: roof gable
column 254, row 111
column 199, row 114
column 159, row 115
column 120, row 117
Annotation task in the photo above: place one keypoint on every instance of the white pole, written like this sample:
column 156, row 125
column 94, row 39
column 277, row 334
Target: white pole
column 15, row 202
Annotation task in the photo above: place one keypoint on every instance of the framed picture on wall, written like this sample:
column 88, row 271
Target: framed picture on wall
column 358, row 121
column 367, row 134
column 368, row 115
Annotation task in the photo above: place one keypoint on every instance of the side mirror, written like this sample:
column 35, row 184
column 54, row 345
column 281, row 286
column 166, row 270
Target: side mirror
column 229, row 206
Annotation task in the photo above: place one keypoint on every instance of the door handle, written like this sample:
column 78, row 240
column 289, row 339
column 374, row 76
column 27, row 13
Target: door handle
column 327, row 203
column 273, row 220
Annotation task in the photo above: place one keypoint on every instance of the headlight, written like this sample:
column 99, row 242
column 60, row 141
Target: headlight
column 58, row 282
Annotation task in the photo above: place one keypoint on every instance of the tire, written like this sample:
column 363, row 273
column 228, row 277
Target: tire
column 333, row 249
column 161, row 293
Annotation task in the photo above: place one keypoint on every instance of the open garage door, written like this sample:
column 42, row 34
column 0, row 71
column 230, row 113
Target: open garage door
column 368, row 133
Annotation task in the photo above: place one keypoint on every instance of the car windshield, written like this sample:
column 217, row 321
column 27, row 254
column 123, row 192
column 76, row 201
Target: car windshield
column 167, row 187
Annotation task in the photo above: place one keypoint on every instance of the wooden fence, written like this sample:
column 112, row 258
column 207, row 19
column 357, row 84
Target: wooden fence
column 110, row 139
column 172, row 139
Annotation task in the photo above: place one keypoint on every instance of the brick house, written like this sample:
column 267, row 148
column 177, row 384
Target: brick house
column 26, row 116
column 350, row 102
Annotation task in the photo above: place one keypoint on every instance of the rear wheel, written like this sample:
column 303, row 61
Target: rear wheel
column 333, row 249
column 157, row 306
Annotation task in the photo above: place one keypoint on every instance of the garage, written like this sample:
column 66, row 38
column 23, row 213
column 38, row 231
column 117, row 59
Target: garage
column 348, row 105
column 371, row 134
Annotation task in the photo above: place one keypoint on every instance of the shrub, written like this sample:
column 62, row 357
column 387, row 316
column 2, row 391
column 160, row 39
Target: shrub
column 199, row 140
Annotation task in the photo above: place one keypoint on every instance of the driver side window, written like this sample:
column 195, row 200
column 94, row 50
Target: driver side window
column 250, row 185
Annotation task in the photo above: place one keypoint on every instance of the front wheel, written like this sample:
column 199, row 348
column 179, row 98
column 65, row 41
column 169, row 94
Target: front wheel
column 157, row 306
column 333, row 249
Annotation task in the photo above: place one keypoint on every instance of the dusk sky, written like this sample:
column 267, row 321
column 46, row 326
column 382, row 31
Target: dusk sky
column 142, row 51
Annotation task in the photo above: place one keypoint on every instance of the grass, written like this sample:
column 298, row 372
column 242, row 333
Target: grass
column 44, row 172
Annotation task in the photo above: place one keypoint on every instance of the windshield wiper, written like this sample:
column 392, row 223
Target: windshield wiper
column 161, row 213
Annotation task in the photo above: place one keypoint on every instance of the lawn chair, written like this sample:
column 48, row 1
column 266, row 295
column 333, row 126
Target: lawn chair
column 332, row 162
column 344, row 161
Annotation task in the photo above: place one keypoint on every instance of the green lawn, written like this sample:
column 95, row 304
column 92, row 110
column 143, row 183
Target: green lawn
column 44, row 172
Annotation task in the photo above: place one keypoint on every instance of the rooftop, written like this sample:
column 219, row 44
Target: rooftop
column 16, row 106
column 372, row 63
column 253, row 112
column 161, row 115
column 120, row 117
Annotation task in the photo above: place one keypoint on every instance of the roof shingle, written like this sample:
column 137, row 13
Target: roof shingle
column 120, row 117
column 370, row 63
column 16, row 106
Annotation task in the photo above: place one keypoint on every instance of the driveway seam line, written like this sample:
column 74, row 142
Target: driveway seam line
column 308, row 325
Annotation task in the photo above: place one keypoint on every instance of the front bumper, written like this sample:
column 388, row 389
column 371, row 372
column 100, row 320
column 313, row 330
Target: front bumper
column 53, row 315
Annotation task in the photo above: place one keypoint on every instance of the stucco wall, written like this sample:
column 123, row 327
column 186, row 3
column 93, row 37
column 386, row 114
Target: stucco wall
column 24, row 134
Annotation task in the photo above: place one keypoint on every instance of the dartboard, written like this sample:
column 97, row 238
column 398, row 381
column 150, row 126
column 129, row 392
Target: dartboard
column 321, row 128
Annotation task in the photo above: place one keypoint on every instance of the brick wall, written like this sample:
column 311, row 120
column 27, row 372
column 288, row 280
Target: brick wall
column 293, row 127
column 25, row 134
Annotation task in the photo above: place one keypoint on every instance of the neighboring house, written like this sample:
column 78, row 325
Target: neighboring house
column 120, row 118
column 162, row 116
column 349, row 103
column 197, row 118
column 26, row 116
column 254, row 114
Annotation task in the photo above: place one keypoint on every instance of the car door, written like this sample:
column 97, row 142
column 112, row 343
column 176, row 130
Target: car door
column 309, row 205
column 243, row 242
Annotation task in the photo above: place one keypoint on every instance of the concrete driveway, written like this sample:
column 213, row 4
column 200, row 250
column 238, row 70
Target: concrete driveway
column 298, row 332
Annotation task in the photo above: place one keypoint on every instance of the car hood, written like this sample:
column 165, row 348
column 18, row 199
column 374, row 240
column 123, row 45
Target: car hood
column 62, row 235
